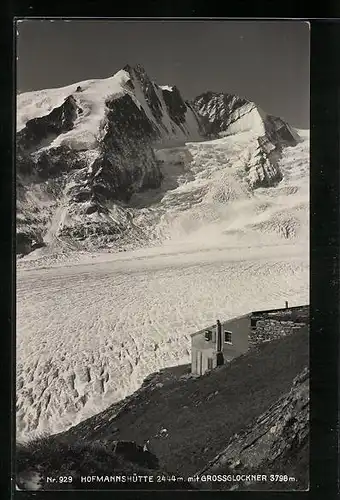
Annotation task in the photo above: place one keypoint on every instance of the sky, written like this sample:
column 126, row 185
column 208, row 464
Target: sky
column 264, row 61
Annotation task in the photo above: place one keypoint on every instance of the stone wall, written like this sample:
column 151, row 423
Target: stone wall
column 274, row 324
column 270, row 329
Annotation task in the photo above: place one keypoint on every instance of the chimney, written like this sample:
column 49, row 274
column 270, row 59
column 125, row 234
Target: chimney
column 219, row 353
column 218, row 336
column 286, row 304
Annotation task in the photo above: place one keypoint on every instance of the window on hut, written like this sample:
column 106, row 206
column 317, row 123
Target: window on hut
column 207, row 335
column 227, row 337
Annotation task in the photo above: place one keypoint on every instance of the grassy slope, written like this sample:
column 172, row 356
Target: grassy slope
column 200, row 422
column 55, row 457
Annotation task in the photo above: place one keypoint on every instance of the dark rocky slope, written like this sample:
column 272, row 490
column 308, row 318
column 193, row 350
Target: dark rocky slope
column 276, row 443
column 96, row 465
column 188, row 421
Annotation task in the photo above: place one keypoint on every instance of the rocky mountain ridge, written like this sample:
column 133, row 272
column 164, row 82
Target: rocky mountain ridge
column 85, row 149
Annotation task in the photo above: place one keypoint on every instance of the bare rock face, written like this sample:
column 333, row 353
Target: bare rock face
column 126, row 162
column 270, row 441
column 24, row 243
column 215, row 110
column 175, row 105
column 43, row 129
column 225, row 114
column 139, row 74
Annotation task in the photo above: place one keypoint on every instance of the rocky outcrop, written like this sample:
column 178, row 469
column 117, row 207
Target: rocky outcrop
column 42, row 130
column 226, row 114
column 276, row 436
column 175, row 105
column 123, row 159
column 262, row 167
column 24, row 243
column 135, row 453
column 148, row 88
column 215, row 110
column 49, row 163
column 126, row 162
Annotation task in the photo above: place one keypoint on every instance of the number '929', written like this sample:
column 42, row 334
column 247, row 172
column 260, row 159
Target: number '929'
column 65, row 479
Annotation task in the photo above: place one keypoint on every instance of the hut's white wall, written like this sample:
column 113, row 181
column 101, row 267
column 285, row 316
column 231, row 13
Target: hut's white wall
column 240, row 330
column 199, row 358
column 203, row 350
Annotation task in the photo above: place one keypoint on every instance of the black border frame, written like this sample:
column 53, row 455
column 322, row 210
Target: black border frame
column 324, row 255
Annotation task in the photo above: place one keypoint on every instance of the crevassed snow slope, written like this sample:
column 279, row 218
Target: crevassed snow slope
column 88, row 334
column 206, row 196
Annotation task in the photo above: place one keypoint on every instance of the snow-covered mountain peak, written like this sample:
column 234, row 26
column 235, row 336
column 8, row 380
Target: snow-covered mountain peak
column 36, row 104
column 99, row 142
column 169, row 116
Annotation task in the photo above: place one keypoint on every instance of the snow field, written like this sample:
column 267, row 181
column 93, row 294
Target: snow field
column 88, row 335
